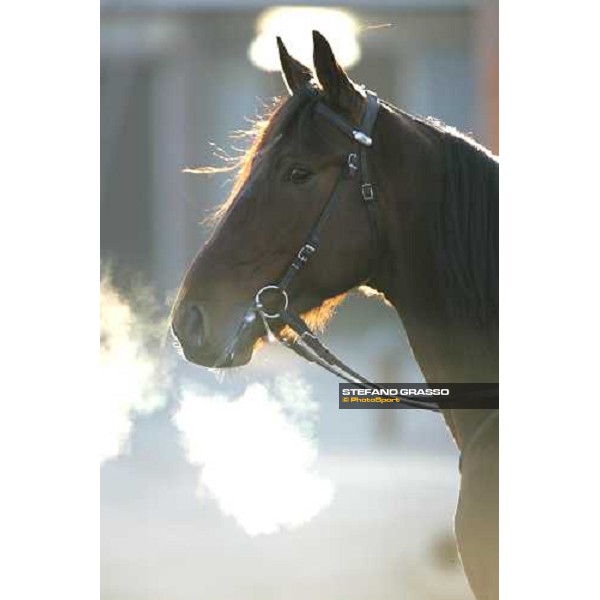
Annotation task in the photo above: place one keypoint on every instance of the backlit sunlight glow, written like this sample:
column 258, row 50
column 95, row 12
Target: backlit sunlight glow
column 295, row 25
column 257, row 454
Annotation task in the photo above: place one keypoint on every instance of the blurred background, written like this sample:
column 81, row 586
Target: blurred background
column 177, row 75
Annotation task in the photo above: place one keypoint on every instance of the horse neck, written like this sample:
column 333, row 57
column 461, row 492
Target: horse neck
column 412, row 171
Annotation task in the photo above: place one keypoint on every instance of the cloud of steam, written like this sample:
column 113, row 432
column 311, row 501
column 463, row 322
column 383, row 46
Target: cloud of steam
column 257, row 453
column 131, row 380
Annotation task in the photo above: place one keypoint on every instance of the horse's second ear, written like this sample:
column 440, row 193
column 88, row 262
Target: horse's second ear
column 295, row 74
column 330, row 73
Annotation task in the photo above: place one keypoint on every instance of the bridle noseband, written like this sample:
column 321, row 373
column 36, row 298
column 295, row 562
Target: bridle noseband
column 305, row 343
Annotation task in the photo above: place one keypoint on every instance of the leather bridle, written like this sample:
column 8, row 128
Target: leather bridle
column 277, row 310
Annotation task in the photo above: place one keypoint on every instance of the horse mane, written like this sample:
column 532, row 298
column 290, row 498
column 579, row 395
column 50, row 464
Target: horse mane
column 465, row 231
column 464, row 227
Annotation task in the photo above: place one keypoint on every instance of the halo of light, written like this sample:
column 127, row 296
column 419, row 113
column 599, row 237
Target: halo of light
column 294, row 24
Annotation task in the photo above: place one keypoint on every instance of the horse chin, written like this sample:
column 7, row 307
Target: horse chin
column 243, row 354
column 239, row 359
column 216, row 361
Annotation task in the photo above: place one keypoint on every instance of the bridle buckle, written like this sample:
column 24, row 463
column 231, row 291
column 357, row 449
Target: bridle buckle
column 367, row 191
column 306, row 252
column 353, row 166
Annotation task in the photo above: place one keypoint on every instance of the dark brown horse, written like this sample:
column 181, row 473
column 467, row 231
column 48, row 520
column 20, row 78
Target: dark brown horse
column 436, row 259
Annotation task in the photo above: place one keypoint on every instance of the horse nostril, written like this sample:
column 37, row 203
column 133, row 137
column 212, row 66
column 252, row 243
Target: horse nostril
column 195, row 324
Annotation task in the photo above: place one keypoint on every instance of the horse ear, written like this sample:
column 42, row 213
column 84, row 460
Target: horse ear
column 330, row 73
column 295, row 74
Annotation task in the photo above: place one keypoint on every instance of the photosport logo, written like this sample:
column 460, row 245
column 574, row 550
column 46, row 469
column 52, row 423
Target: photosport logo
column 396, row 395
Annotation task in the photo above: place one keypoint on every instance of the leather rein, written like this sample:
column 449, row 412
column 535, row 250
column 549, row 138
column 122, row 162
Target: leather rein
column 305, row 343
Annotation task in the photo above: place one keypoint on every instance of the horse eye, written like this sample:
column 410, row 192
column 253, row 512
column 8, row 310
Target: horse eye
column 299, row 175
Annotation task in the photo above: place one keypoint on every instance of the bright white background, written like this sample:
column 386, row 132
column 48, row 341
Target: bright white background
column 549, row 132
